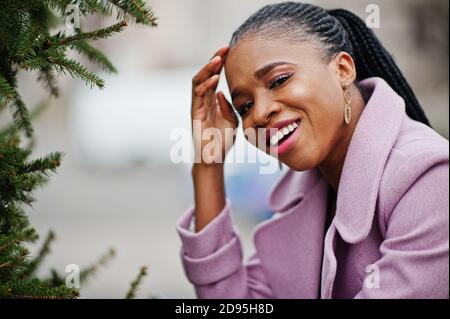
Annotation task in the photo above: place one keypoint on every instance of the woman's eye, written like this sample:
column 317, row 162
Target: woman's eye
column 244, row 108
column 279, row 80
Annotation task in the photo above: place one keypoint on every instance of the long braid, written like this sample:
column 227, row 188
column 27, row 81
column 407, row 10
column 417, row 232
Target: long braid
column 336, row 30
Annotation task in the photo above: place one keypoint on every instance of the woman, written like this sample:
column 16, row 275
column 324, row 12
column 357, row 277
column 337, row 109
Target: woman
column 363, row 208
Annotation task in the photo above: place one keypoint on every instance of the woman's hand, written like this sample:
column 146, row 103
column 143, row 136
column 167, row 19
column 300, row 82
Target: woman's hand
column 211, row 112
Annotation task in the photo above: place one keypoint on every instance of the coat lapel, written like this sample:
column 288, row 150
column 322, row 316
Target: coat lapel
column 373, row 139
column 290, row 247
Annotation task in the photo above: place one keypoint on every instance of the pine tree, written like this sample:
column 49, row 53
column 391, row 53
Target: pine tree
column 27, row 43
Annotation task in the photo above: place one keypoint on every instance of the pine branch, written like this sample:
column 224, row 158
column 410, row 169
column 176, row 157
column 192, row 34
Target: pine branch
column 86, row 6
column 44, row 165
column 75, row 69
column 55, row 279
column 12, row 128
column 27, row 234
column 24, row 44
column 7, row 93
column 136, row 282
column 94, row 56
column 13, row 219
column 14, row 258
column 98, row 6
column 137, row 9
column 44, row 251
column 60, row 5
column 12, row 253
column 94, row 35
column 89, row 271
column 21, row 116
column 32, row 289
column 47, row 76
column 36, row 64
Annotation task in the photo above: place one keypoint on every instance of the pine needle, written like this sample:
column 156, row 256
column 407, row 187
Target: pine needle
column 136, row 282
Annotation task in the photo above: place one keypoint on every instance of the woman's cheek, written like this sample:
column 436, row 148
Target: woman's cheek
column 315, row 140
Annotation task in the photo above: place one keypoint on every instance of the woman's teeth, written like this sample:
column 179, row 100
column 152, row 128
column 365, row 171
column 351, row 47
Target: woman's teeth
column 282, row 133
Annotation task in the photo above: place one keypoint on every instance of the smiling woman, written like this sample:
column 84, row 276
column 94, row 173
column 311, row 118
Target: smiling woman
column 367, row 185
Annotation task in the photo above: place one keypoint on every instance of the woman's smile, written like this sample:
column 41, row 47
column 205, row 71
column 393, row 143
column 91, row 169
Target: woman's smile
column 282, row 136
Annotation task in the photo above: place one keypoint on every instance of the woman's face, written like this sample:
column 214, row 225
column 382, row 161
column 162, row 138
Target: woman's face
column 278, row 84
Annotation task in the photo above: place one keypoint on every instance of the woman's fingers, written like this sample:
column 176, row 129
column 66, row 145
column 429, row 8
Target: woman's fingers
column 198, row 94
column 210, row 69
column 221, row 52
column 201, row 89
column 213, row 67
column 207, row 79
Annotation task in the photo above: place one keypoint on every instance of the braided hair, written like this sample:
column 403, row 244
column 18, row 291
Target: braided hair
column 336, row 31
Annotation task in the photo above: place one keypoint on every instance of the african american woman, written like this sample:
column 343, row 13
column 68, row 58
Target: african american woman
column 363, row 210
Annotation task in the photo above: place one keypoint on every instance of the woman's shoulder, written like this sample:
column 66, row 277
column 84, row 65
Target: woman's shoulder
column 418, row 153
column 416, row 138
column 417, row 148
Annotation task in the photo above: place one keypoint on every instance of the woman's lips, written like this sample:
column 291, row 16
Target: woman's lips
column 281, row 141
column 278, row 126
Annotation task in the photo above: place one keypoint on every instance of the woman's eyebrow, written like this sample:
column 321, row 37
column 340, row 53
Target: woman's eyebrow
column 265, row 69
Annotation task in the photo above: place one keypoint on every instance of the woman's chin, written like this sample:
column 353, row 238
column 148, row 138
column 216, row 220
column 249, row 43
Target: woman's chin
column 299, row 159
column 297, row 164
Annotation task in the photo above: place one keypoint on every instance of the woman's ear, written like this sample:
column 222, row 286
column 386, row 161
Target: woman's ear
column 345, row 67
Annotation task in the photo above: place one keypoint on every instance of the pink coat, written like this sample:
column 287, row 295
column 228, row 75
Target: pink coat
column 388, row 239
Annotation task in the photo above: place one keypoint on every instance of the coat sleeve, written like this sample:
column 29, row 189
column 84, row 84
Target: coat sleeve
column 213, row 263
column 415, row 260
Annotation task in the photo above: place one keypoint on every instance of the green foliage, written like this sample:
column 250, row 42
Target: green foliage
column 57, row 280
column 135, row 283
column 19, row 176
column 27, row 43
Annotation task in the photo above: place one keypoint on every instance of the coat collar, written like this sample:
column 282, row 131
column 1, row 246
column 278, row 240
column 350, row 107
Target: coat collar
column 372, row 141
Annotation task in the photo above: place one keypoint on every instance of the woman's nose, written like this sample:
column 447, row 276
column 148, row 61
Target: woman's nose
column 264, row 110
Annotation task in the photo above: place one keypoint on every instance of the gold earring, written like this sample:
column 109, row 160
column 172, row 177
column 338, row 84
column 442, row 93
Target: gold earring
column 348, row 108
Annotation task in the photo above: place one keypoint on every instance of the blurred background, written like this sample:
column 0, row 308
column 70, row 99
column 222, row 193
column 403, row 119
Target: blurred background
column 117, row 186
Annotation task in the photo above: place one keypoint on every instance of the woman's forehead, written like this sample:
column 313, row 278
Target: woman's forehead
column 249, row 55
